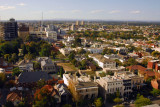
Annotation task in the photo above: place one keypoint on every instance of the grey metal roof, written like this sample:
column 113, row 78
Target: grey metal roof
column 27, row 77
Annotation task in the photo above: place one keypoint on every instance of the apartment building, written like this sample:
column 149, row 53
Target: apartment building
column 83, row 86
column 123, row 82
column 9, row 30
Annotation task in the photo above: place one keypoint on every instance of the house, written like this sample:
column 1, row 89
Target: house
column 65, row 51
column 121, row 50
column 133, row 55
column 146, row 74
column 136, row 68
column 102, row 61
column 29, row 79
column 94, row 50
column 47, row 65
column 152, row 64
column 64, row 93
column 114, row 57
column 14, row 97
column 26, row 65
column 6, row 66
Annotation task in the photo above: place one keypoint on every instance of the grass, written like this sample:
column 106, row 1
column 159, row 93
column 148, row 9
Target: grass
column 68, row 67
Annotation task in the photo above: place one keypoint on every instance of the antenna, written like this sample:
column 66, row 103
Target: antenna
column 42, row 24
column 42, row 20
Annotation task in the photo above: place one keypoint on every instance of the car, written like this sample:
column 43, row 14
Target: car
column 125, row 103
column 132, row 101
column 150, row 97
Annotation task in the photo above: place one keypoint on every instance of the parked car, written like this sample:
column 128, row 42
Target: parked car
column 132, row 101
column 150, row 97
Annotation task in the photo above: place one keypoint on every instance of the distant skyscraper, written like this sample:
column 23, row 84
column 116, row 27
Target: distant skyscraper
column 8, row 30
column 82, row 23
column 73, row 27
column 77, row 22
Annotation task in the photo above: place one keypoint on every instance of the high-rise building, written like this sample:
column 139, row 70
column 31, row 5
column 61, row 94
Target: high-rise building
column 73, row 27
column 8, row 30
column 82, row 23
column 77, row 22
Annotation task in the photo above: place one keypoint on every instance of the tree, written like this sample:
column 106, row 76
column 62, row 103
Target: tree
column 67, row 105
column 142, row 101
column 14, row 57
column 41, row 83
column 118, row 62
column 9, row 104
column 24, row 50
column 155, row 92
column 45, row 50
column 29, row 56
column 77, row 42
column 36, row 66
column 131, row 61
column 2, row 79
column 81, row 51
column 71, row 56
column 16, row 71
column 21, row 104
column 43, row 98
column 98, row 102
column 155, row 54
column 117, row 100
column 7, row 57
column 61, row 72
column 144, row 62
column 53, row 54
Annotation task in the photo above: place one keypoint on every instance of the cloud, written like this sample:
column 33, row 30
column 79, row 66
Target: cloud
column 135, row 12
column 55, row 11
column 96, row 11
column 75, row 11
column 7, row 7
column 21, row 4
column 114, row 11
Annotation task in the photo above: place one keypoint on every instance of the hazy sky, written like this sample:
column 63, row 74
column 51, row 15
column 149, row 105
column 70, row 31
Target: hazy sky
column 148, row 10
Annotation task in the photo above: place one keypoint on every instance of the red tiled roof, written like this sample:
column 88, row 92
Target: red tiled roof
column 136, row 67
column 13, row 96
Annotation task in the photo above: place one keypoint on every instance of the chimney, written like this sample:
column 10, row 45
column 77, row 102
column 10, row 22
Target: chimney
column 89, row 76
column 94, row 78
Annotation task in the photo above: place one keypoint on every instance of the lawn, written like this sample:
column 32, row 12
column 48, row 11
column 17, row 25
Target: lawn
column 68, row 67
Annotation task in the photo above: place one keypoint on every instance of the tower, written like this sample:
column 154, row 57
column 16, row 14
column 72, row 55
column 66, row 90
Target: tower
column 9, row 30
column 82, row 23
column 77, row 22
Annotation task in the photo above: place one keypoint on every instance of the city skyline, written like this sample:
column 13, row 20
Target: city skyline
column 137, row 10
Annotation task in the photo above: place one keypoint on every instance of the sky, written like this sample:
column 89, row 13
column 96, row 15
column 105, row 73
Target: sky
column 137, row 10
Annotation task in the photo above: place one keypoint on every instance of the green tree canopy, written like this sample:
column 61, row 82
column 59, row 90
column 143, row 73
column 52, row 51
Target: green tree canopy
column 16, row 71
column 142, row 101
column 98, row 102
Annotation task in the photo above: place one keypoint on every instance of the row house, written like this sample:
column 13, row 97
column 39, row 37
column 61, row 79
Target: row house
column 123, row 82
column 82, row 86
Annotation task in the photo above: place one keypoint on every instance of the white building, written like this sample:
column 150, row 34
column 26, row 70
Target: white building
column 94, row 50
column 51, row 34
column 102, row 61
